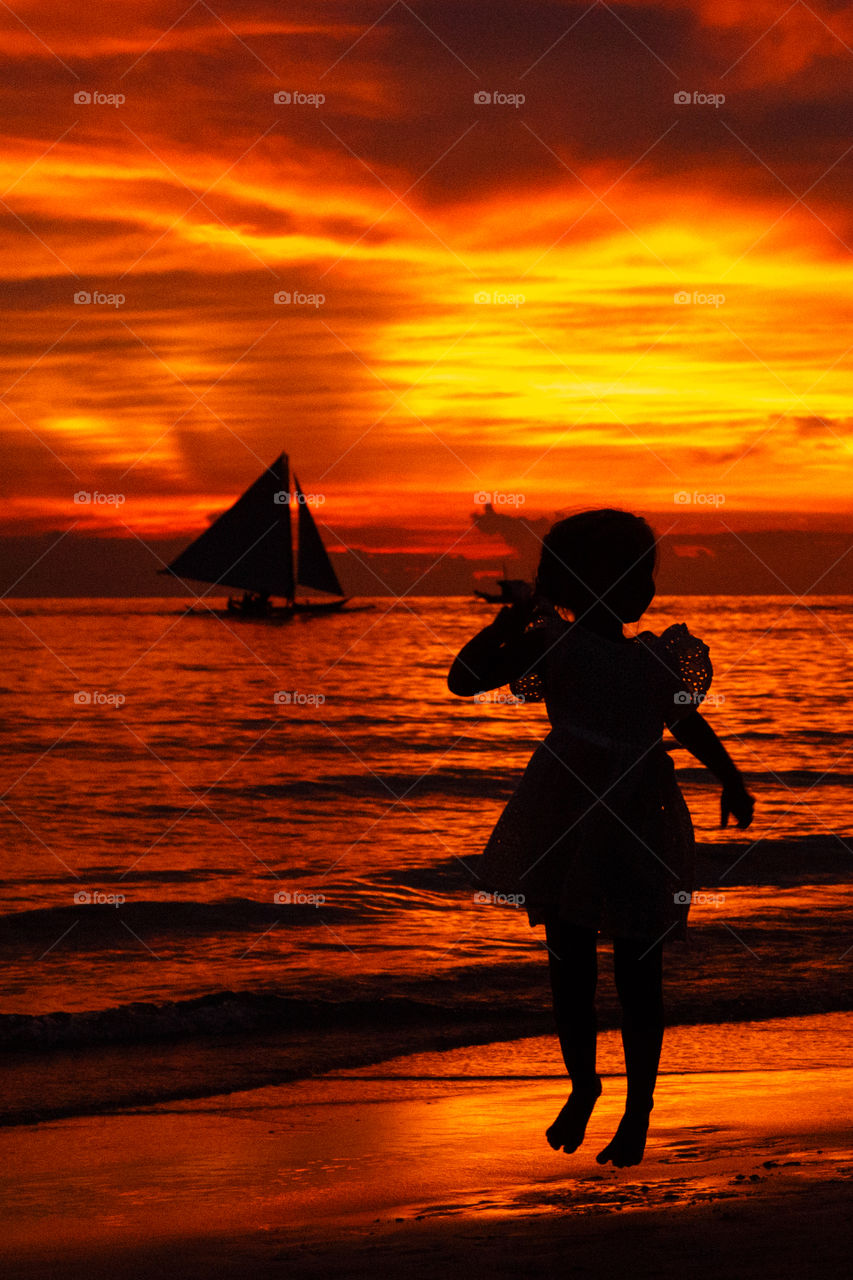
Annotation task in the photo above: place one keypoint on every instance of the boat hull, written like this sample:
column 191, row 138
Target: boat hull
column 512, row 591
column 300, row 609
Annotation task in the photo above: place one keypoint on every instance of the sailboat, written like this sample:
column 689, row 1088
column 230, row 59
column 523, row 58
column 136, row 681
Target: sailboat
column 250, row 547
column 511, row 591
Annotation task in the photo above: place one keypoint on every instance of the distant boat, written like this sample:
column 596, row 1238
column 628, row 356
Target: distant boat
column 511, row 591
column 250, row 547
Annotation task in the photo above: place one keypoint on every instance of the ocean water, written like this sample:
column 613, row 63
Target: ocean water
column 210, row 825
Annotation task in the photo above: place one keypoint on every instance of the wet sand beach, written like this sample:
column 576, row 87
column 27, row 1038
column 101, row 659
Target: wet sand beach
column 437, row 1162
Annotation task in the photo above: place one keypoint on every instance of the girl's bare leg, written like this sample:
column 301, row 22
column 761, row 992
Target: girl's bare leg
column 638, row 969
column 573, row 968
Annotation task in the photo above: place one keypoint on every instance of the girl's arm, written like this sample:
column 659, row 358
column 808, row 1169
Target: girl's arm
column 501, row 652
column 694, row 733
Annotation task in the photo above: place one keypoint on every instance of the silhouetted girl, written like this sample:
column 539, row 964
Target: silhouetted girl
column 597, row 834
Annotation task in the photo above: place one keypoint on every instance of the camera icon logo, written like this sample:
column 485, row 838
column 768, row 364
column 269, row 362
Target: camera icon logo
column 681, row 98
column 283, row 697
column 282, row 97
column 81, row 497
column 682, row 698
column 82, row 97
column 281, row 298
column 682, row 298
column 81, row 297
column 82, row 698
column 681, row 898
column 481, row 97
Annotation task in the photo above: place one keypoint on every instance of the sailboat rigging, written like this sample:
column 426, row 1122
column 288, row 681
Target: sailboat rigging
column 250, row 547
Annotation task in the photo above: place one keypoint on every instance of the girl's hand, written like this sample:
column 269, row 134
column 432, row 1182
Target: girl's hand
column 736, row 802
column 512, row 619
column 502, row 652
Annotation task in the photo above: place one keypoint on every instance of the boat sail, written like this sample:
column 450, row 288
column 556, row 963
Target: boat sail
column 250, row 547
column 313, row 566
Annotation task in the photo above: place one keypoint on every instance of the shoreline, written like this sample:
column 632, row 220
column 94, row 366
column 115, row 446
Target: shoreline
column 106, row 1079
column 739, row 965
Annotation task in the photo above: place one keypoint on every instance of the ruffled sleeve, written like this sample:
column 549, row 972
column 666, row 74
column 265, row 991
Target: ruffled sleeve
column 687, row 659
column 531, row 686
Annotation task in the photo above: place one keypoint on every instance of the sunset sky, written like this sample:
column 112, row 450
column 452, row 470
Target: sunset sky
column 489, row 288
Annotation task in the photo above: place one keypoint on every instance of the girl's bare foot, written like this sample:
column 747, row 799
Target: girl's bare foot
column 628, row 1143
column 567, row 1131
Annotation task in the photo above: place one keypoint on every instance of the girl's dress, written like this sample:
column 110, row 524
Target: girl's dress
column 597, row 827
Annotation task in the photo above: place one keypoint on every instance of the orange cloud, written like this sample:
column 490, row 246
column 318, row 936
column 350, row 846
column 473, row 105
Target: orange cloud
column 596, row 293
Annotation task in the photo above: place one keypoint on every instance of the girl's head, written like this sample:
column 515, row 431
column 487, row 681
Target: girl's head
column 599, row 559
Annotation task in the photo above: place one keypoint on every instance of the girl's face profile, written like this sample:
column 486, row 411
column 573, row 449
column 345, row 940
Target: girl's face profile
column 638, row 595
column 648, row 595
